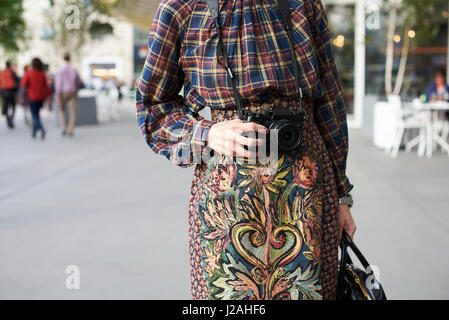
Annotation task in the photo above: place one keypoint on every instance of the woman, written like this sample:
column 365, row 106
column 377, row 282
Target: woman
column 37, row 91
column 256, row 232
column 439, row 89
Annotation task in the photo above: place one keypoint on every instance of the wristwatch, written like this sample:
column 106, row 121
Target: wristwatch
column 347, row 200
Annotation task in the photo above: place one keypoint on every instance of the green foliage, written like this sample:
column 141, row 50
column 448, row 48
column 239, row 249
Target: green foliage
column 99, row 29
column 12, row 25
column 423, row 16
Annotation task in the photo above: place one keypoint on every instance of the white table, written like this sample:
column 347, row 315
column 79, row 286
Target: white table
column 432, row 134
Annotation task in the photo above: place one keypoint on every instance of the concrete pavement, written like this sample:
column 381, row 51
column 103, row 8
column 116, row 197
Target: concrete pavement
column 104, row 202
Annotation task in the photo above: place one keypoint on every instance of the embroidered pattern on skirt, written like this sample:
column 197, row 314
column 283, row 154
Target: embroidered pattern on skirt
column 258, row 232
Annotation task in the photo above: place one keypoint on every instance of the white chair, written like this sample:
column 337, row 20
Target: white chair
column 407, row 119
column 445, row 133
column 442, row 126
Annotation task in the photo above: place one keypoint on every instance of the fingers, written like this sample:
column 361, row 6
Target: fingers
column 229, row 144
column 350, row 230
column 345, row 222
column 226, row 138
column 235, row 123
column 232, row 147
column 251, row 126
column 240, row 151
column 247, row 141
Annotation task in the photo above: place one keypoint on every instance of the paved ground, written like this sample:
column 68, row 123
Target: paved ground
column 104, row 202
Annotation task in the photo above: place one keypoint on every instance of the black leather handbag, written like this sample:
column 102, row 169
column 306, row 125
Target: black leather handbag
column 354, row 283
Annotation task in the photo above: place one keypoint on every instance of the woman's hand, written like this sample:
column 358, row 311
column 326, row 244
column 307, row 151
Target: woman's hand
column 345, row 222
column 226, row 138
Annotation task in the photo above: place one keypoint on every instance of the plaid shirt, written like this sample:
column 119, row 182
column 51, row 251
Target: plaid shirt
column 182, row 52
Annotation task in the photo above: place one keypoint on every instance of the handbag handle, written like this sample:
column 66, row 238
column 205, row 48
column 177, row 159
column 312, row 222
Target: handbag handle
column 346, row 242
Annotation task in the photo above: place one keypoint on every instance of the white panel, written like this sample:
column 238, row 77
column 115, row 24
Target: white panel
column 360, row 63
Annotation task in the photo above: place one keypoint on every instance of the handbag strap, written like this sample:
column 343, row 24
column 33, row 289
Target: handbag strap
column 284, row 7
column 346, row 242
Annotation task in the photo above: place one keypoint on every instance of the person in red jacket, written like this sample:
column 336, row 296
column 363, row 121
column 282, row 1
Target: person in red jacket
column 8, row 88
column 35, row 82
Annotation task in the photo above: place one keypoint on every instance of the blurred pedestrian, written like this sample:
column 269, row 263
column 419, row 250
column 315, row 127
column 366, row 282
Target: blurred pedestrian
column 51, row 85
column 35, row 82
column 8, row 85
column 67, row 84
column 24, row 101
column 119, row 85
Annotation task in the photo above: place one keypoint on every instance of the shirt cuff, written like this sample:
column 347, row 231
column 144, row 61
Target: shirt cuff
column 199, row 139
column 344, row 187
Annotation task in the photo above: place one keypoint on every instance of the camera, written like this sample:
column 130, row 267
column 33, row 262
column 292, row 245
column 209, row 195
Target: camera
column 284, row 124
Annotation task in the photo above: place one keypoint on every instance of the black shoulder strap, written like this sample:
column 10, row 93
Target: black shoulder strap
column 213, row 8
column 284, row 7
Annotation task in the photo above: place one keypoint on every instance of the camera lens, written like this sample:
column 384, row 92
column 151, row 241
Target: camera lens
column 289, row 135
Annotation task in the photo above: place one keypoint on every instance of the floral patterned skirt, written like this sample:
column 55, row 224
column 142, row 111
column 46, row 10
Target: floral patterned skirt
column 262, row 233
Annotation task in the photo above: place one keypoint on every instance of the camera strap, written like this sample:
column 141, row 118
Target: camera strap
column 284, row 7
column 213, row 8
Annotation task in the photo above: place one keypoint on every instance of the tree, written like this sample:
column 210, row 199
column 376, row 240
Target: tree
column 416, row 19
column 12, row 25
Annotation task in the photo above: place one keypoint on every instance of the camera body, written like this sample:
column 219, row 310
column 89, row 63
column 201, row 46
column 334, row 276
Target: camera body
column 283, row 123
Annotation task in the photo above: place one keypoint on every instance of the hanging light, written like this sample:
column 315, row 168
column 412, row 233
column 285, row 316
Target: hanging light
column 397, row 38
column 411, row 33
column 339, row 41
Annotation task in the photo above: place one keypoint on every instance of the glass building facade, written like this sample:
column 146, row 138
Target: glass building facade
column 359, row 37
